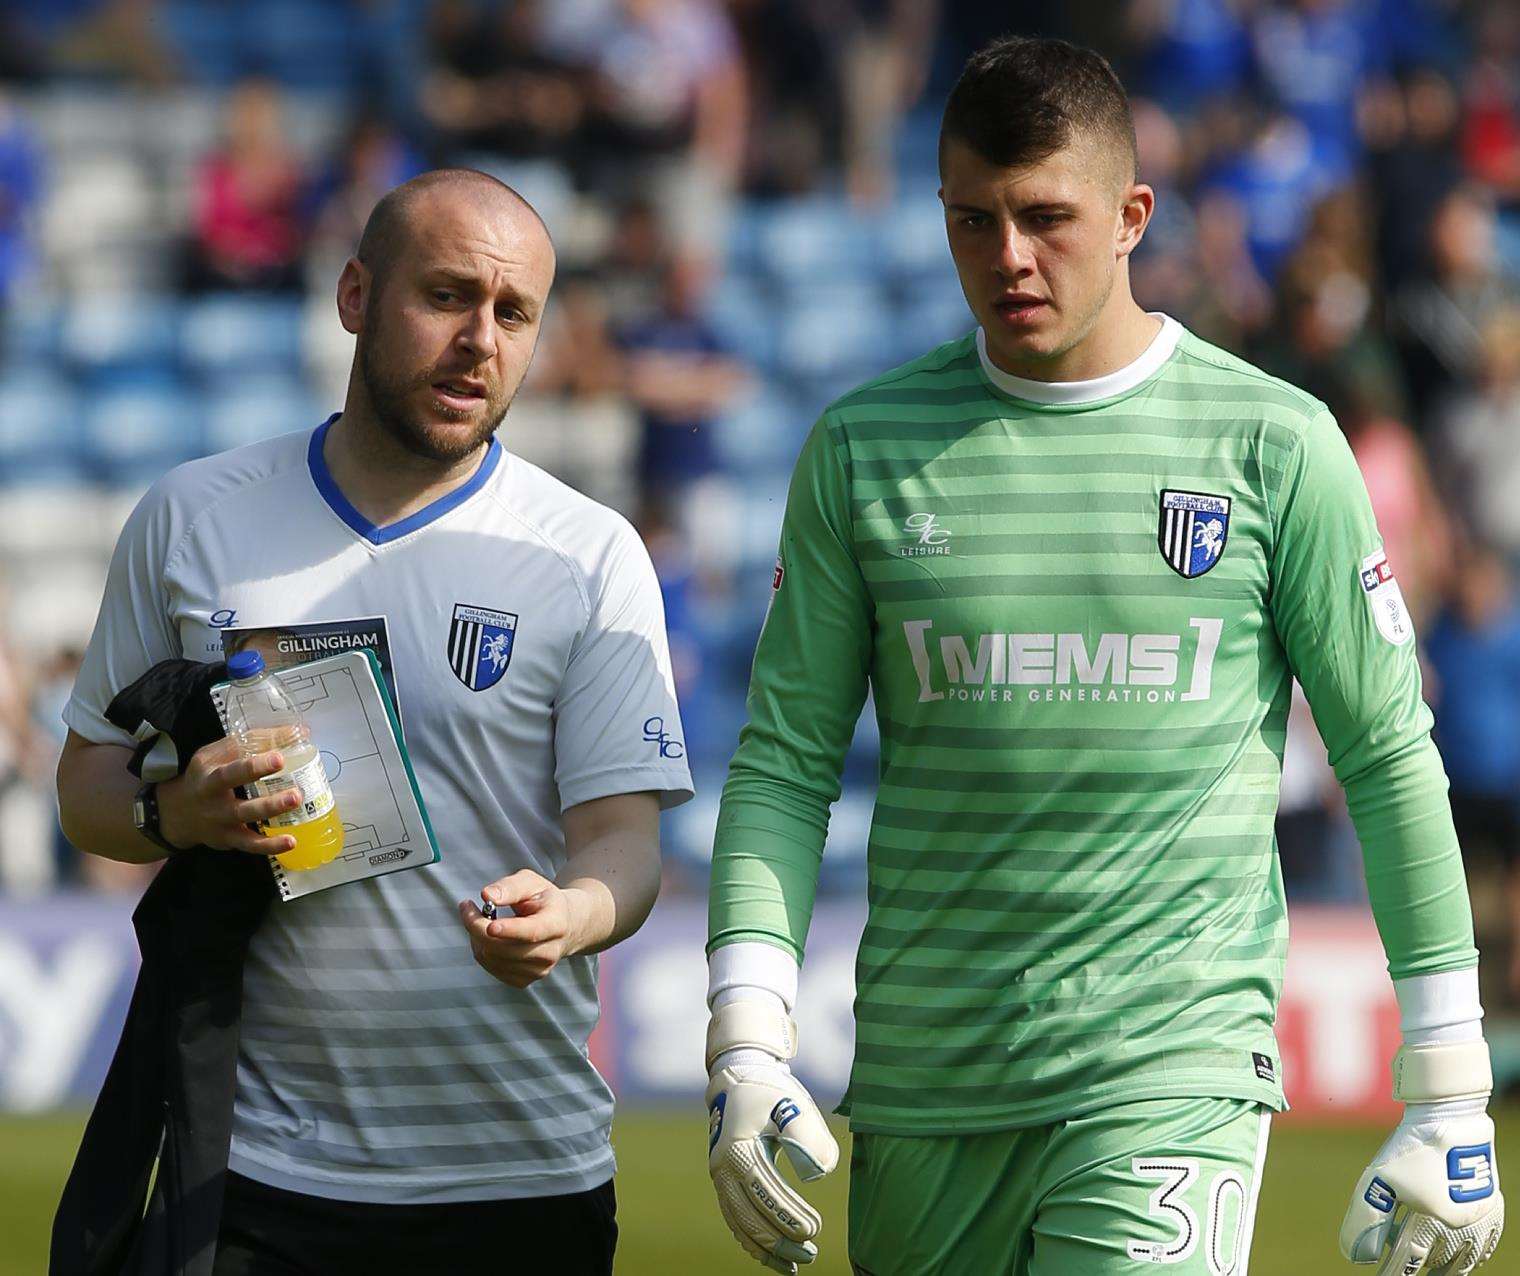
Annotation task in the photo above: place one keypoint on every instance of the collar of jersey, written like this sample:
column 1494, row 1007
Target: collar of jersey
column 343, row 508
column 1067, row 394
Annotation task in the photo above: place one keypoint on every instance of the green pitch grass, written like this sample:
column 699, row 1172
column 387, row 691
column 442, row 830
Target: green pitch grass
column 669, row 1223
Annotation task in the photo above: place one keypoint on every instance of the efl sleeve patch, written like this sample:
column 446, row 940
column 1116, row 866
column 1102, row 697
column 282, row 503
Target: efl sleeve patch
column 776, row 579
column 1386, row 599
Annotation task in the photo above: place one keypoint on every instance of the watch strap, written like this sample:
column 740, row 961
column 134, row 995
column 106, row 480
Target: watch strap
column 145, row 815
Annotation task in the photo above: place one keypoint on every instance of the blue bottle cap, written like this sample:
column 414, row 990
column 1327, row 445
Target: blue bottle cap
column 244, row 665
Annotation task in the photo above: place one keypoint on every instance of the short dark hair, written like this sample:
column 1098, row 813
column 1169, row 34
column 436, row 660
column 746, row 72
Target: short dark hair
column 1021, row 99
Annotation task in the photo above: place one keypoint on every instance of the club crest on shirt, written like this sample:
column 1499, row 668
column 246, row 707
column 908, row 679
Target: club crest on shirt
column 480, row 645
column 1191, row 530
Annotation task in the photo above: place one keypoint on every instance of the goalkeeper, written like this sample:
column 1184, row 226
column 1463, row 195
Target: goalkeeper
column 1079, row 557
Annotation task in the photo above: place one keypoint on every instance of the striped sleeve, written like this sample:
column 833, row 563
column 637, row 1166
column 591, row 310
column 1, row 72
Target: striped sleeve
column 1349, row 640
column 806, row 691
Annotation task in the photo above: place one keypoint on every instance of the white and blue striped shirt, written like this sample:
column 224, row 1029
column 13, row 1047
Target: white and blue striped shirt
column 377, row 1061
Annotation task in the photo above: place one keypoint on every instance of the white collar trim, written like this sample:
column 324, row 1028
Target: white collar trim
column 1065, row 393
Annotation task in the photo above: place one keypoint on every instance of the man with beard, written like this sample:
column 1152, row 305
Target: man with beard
column 412, row 1075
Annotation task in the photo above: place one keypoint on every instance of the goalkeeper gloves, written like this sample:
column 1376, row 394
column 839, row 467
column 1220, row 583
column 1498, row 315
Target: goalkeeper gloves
column 757, row 1108
column 1430, row 1200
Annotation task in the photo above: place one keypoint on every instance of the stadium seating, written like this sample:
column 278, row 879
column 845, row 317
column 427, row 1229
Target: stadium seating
column 106, row 335
column 806, row 240
column 304, row 44
column 228, row 335
column 913, row 245
column 138, row 426
column 52, row 520
column 53, row 603
column 743, row 308
column 259, row 407
column 107, row 378
column 763, row 431
column 834, row 328
column 39, row 434
column 96, row 225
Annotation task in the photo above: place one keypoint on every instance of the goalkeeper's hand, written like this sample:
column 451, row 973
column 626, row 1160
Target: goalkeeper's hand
column 756, row 1107
column 1430, row 1202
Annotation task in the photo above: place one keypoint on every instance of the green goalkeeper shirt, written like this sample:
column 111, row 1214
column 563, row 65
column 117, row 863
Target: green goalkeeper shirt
column 1080, row 622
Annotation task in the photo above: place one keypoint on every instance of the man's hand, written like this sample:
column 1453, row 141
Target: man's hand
column 522, row 948
column 757, row 1108
column 1430, row 1200
column 202, row 808
column 606, row 888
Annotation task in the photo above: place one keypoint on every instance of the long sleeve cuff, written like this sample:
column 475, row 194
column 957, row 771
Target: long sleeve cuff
column 1440, row 1009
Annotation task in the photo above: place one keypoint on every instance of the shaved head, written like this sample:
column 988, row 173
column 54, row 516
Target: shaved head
column 445, row 298
column 393, row 224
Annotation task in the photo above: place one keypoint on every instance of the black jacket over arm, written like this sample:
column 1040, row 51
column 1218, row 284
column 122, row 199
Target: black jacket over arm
column 167, row 1098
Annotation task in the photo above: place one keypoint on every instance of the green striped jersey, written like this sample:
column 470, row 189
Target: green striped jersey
column 1080, row 622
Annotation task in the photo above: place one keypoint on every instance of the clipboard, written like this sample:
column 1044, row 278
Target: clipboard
column 354, row 725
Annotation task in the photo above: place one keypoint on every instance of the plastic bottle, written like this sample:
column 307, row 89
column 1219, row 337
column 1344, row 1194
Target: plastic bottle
column 264, row 719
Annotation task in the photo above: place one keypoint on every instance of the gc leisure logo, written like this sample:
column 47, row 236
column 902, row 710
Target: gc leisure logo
column 931, row 537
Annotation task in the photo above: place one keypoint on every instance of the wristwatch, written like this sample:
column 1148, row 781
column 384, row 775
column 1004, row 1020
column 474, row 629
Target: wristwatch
column 145, row 816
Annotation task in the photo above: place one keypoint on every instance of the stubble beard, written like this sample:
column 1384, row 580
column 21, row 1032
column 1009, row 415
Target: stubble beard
column 1063, row 342
column 389, row 399
column 1088, row 323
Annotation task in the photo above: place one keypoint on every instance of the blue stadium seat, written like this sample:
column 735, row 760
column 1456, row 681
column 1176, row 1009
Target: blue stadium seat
column 207, row 38
column 813, row 241
column 918, row 148
column 837, row 329
column 50, row 521
column 305, row 44
column 29, row 332
column 742, row 252
column 135, row 429
column 913, row 241
column 228, row 334
column 39, row 427
column 745, row 311
column 761, row 504
column 765, row 429
column 928, row 315
column 104, row 335
column 259, row 408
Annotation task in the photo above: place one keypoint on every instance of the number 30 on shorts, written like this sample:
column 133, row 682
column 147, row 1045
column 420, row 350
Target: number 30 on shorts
column 1222, row 1229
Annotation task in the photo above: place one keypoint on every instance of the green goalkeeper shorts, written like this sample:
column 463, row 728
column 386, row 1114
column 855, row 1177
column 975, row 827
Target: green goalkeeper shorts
column 1168, row 1183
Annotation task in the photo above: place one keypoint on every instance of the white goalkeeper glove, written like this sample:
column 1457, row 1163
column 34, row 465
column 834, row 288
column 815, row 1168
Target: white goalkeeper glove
column 1430, row 1202
column 756, row 1107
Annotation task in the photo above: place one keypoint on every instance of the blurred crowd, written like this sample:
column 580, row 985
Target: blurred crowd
column 1340, row 203
column 730, row 184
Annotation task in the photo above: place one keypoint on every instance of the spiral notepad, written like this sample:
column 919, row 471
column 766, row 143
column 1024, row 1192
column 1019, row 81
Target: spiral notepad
column 354, row 726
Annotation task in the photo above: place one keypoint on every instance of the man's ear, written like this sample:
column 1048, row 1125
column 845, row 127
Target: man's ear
column 354, row 285
column 1134, row 217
